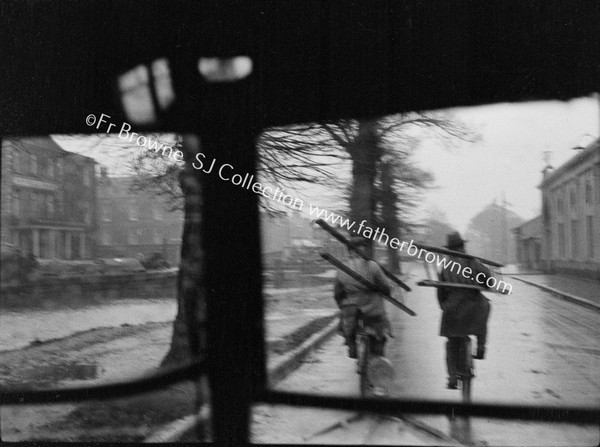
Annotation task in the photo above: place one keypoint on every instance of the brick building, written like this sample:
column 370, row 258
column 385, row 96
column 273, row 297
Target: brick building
column 571, row 215
column 135, row 222
column 48, row 199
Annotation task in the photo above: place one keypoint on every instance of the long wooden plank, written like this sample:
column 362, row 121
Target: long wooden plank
column 340, row 237
column 453, row 285
column 459, row 254
column 365, row 282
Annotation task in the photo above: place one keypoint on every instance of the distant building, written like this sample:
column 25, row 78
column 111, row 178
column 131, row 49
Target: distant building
column 488, row 234
column 287, row 234
column 275, row 234
column 571, row 215
column 528, row 239
column 131, row 223
column 48, row 199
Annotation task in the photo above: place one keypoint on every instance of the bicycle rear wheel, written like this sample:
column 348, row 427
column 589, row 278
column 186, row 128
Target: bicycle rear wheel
column 363, row 348
column 465, row 369
column 466, row 389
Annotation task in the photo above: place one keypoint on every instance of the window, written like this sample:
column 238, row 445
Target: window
column 134, row 236
column 590, row 236
column 137, row 96
column 26, row 203
column 43, row 205
column 157, row 211
column 507, row 79
column 106, row 211
column 34, row 164
column 559, row 202
column 59, row 205
column 59, row 169
column 561, row 240
column 50, row 205
column 134, row 211
column 105, row 238
column 50, row 169
column 574, row 239
column 35, row 206
column 588, row 192
column 16, row 206
column 87, row 212
column 16, row 160
column 157, row 236
column 86, row 176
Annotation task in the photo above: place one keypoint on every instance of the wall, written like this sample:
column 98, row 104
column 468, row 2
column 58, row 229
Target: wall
column 89, row 289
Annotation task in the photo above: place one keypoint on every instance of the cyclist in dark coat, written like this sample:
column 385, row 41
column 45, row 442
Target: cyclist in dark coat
column 464, row 312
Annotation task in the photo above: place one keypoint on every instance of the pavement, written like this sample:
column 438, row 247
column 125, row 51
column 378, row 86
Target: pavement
column 583, row 291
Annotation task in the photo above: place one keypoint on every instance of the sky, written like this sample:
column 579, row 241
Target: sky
column 507, row 159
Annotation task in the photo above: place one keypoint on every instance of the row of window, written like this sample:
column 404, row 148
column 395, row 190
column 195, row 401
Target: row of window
column 47, row 168
column 133, row 212
column 29, row 204
column 572, row 192
column 577, row 236
column 135, row 236
column 37, row 166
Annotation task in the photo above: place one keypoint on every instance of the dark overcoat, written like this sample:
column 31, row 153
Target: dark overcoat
column 464, row 312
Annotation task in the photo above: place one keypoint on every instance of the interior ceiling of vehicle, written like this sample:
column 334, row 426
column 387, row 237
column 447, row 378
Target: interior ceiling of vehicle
column 313, row 59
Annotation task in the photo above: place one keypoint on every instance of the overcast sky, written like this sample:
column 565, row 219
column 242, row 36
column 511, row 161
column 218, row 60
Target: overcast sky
column 509, row 156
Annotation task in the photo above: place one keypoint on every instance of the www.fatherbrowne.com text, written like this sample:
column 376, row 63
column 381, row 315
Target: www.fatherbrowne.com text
column 226, row 172
column 380, row 236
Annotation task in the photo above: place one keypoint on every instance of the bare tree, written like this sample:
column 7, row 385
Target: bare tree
column 378, row 151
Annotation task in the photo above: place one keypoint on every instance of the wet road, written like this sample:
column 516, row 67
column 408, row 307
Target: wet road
column 541, row 350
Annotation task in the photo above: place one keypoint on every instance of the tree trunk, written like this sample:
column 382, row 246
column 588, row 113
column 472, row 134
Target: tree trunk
column 365, row 152
column 390, row 222
column 190, row 290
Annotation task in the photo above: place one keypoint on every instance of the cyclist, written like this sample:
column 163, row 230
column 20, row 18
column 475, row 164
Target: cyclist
column 353, row 299
column 464, row 312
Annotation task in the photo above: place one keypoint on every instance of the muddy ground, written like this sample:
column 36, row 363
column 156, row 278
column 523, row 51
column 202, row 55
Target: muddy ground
column 115, row 353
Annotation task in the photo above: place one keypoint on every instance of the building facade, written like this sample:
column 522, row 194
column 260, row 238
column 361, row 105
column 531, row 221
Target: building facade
column 528, row 239
column 133, row 222
column 571, row 215
column 48, row 202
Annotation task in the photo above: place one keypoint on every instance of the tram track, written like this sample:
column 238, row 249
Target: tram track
column 380, row 423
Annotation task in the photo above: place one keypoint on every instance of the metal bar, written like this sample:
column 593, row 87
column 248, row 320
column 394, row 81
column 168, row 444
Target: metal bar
column 589, row 415
column 338, row 264
column 16, row 396
column 340, row 237
column 460, row 254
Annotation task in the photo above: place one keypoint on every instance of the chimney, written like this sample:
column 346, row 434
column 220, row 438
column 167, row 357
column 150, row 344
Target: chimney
column 548, row 168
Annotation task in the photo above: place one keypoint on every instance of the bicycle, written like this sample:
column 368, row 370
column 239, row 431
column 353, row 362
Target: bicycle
column 375, row 372
column 464, row 367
